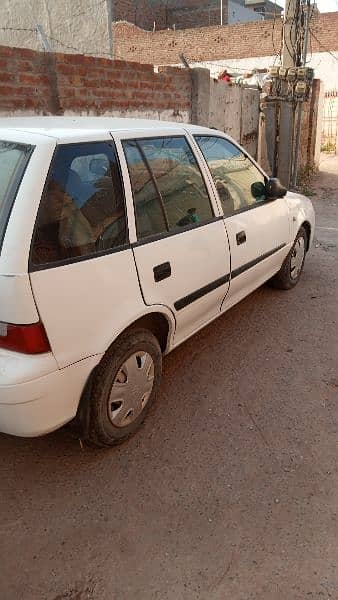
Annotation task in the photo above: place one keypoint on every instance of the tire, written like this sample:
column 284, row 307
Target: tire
column 130, row 365
column 291, row 270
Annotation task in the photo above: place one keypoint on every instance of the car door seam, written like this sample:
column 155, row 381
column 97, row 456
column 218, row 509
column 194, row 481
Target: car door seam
column 213, row 285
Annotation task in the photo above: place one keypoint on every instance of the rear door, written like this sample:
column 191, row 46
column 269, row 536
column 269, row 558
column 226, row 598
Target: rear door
column 82, row 267
column 181, row 248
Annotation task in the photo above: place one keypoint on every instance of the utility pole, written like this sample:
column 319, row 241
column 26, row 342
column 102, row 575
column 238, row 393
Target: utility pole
column 286, row 119
column 300, row 103
column 290, row 33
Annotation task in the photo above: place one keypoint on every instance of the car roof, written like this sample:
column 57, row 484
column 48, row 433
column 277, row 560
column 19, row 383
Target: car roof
column 65, row 127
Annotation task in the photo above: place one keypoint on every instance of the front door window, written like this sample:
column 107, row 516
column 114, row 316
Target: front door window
column 239, row 183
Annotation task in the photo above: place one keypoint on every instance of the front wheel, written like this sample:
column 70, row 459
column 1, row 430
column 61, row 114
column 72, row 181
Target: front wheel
column 291, row 270
column 123, row 388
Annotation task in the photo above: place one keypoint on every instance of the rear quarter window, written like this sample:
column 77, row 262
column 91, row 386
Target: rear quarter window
column 13, row 162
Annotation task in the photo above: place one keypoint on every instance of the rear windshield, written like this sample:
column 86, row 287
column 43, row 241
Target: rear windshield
column 13, row 161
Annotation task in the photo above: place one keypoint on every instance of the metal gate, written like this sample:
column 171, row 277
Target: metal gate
column 329, row 122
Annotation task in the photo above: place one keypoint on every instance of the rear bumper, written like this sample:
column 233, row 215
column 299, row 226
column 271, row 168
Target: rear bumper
column 45, row 403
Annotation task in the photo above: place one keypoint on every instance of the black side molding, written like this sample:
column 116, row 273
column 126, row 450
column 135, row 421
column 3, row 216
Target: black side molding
column 255, row 262
column 183, row 302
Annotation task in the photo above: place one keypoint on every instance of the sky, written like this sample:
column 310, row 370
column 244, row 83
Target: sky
column 323, row 5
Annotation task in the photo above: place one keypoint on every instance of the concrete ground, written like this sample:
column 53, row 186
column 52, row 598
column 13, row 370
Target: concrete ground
column 230, row 490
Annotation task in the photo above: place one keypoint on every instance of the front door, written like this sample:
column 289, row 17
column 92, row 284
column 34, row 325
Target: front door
column 181, row 253
column 258, row 229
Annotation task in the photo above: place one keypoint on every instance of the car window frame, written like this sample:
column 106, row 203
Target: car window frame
column 250, row 158
column 165, row 234
column 32, row 267
column 14, row 188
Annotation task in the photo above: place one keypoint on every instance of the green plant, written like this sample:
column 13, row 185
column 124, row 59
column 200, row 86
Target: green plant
column 328, row 146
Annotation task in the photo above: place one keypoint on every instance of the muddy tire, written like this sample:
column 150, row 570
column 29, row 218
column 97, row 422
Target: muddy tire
column 122, row 390
column 292, row 267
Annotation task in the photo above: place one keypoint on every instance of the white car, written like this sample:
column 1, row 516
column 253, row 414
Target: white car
column 119, row 239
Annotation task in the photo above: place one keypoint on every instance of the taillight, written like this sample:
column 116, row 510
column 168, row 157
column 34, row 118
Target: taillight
column 29, row 339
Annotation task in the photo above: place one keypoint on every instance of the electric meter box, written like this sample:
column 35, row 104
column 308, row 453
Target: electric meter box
column 291, row 74
column 274, row 72
column 304, row 74
column 301, row 88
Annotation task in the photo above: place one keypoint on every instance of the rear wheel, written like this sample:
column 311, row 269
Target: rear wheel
column 290, row 272
column 123, row 389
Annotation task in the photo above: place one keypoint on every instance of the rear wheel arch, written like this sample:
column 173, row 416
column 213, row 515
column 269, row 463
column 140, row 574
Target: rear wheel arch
column 154, row 322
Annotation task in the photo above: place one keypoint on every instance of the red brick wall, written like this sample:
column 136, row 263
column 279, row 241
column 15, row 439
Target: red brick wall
column 216, row 43
column 141, row 12
column 202, row 14
column 54, row 83
column 167, row 13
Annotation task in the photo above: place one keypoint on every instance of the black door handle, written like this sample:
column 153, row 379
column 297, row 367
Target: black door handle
column 240, row 237
column 162, row 271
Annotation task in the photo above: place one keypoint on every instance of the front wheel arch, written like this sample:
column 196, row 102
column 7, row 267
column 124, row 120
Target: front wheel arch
column 284, row 279
column 306, row 225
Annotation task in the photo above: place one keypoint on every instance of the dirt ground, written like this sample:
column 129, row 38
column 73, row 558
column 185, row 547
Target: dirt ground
column 230, row 490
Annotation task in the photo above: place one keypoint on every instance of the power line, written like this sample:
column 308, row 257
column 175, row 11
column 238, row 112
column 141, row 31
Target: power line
column 223, row 64
column 18, row 29
column 53, row 39
column 322, row 46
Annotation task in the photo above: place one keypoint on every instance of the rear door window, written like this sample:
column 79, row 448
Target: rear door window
column 168, row 187
column 82, row 212
column 13, row 162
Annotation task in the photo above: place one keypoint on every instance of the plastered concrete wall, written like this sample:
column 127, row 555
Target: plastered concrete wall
column 250, row 120
column 82, row 26
column 231, row 109
column 225, row 108
column 235, row 110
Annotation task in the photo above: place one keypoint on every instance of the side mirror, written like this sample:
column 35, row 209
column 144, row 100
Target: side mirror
column 274, row 189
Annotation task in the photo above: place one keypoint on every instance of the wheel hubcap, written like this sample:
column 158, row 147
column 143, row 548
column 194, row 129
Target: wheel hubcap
column 131, row 389
column 297, row 258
